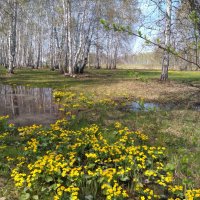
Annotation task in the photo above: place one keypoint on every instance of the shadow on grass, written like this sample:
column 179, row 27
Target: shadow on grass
column 47, row 78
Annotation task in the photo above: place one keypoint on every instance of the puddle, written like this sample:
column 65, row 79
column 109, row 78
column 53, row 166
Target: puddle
column 197, row 107
column 27, row 106
column 147, row 106
column 135, row 106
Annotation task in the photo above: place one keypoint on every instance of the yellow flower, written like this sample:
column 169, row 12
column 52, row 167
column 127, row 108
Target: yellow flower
column 118, row 125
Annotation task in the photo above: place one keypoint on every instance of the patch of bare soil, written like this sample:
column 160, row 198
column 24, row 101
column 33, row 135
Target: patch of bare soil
column 2, row 182
column 7, row 191
column 150, row 91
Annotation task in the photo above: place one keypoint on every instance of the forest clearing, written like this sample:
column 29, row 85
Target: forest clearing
column 97, row 106
column 99, row 100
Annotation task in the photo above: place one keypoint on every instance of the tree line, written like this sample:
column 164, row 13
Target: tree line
column 62, row 33
column 67, row 34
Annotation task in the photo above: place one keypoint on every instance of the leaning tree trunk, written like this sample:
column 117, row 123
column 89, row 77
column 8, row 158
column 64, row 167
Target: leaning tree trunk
column 12, row 38
column 165, row 63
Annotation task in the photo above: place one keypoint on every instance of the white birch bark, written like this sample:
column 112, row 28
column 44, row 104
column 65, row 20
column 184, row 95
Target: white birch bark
column 69, row 37
column 165, row 62
column 12, row 38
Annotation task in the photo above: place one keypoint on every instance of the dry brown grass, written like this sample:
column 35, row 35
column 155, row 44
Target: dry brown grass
column 150, row 91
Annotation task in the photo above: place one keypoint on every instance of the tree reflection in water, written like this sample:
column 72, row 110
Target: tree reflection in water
column 27, row 106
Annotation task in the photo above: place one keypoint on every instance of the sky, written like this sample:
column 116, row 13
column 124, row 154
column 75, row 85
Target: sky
column 149, row 15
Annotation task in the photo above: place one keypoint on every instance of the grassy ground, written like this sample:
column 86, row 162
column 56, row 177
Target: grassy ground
column 177, row 129
column 47, row 78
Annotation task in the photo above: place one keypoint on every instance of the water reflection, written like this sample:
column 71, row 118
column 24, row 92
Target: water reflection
column 26, row 106
column 197, row 106
column 147, row 106
column 135, row 106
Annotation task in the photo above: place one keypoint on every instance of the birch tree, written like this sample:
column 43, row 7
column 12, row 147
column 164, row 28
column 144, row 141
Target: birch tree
column 165, row 63
column 60, row 33
column 12, row 35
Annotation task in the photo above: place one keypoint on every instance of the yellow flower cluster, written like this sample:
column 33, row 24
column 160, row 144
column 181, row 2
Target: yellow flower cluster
column 113, row 192
column 72, row 190
column 113, row 164
column 91, row 155
column 192, row 194
column 67, row 94
column 19, row 178
column 71, row 101
column 88, row 153
column 60, row 124
column 31, row 145
column 28, row 130
column 4, row 117
column 176, row 188
column 118, row 125
column 3, row 135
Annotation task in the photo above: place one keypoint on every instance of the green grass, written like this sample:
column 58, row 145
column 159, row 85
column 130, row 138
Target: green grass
column 178, row 129
column 47, row 78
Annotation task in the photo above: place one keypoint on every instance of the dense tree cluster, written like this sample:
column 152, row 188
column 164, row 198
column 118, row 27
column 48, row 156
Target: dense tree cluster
column 62, row 34
column 67, row 34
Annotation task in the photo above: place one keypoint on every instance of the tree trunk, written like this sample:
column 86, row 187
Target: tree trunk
column 97, row 64
column 165, row 63
column 39, row 55
column 12, row 38
column 69, row 38
column 59, row 52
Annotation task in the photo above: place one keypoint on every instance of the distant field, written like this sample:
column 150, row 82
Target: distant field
column 45, row 77
column 133, row 66
column 152, row 67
